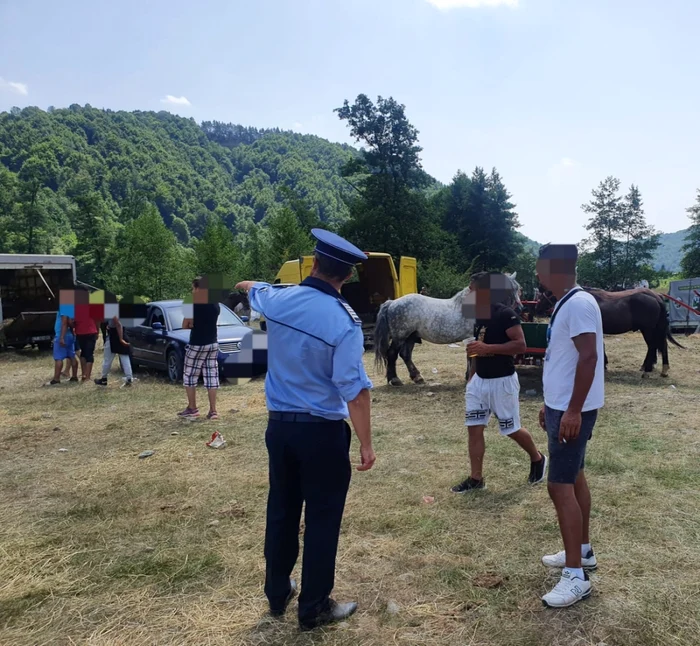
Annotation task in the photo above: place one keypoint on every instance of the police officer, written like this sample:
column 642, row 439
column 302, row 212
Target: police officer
column 315, row 380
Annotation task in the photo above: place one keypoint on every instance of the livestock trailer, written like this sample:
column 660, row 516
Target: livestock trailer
column 29, row 297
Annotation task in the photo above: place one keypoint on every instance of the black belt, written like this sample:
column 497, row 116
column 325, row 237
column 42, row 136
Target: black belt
column 304, row 418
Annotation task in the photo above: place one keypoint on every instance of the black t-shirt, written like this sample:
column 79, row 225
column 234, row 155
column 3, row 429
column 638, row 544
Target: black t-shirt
column 493, row 331
column 204, row 330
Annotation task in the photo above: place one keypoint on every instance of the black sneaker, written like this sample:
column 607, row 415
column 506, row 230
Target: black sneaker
column 538, row 470
column 469, row 485
column 101, row 382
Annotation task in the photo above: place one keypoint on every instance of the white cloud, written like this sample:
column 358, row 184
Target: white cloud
column 14, row 86
column 562, row 169
column 175, row 100
column 445, row 5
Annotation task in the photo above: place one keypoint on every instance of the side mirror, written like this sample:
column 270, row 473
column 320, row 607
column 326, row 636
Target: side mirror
column 157, row 326
column 245, row 319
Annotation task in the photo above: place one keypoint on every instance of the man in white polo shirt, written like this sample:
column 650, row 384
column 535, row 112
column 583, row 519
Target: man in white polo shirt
column 573, row 393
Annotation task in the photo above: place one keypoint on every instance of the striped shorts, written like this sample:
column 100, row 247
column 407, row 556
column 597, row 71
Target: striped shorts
column 201, row 359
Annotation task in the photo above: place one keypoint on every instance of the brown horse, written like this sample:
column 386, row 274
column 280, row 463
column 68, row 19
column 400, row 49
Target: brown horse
column 234, row 299
column 631, row 310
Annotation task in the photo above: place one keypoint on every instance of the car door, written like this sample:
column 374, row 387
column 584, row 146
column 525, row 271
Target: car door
column 136, row 336
column 157, row 340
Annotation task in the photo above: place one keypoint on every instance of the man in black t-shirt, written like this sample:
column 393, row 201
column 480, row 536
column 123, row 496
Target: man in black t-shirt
column 202, row 352
column 494, row 388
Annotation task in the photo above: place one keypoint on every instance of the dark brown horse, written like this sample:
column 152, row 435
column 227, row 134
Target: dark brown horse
column 631, row 310
column 234, row 299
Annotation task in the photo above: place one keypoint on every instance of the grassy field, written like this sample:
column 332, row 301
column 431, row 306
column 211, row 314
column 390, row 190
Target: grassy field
column 99, row 547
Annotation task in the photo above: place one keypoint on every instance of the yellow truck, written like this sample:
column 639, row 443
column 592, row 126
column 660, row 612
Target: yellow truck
column 374, row 282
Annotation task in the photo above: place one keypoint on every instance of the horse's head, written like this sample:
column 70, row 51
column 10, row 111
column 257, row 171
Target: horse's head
column 545, row 303
column 234, row 299
column 503, row 288
column 513, row 292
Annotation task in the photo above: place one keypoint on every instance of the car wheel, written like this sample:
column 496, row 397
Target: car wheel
column 175, row 365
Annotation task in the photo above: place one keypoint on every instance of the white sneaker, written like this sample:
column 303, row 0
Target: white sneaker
column 568, row 591
column 558, row 560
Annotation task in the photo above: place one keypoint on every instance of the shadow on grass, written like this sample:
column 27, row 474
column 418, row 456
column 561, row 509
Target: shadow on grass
column 13, row 607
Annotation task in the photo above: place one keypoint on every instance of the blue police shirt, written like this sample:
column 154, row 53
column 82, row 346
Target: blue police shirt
column 314, row 349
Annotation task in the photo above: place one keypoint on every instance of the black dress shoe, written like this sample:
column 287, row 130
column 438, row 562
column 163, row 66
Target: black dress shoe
column 337, row 612
column 279, row 612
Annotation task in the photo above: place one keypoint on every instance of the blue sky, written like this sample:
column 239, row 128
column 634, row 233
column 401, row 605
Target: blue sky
column 556, row 94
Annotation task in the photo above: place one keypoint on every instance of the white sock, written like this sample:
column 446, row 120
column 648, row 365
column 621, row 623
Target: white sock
column 585, row 548
column 575, row 573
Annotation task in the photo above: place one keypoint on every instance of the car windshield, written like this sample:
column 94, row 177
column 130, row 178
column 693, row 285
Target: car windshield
column 226, row 317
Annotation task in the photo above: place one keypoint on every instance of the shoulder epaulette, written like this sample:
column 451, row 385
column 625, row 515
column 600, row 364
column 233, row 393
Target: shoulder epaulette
column 351, row 312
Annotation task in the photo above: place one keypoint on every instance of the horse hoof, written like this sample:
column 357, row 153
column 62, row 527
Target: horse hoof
column 419, row 380
column 645, row 375
column 395, row 382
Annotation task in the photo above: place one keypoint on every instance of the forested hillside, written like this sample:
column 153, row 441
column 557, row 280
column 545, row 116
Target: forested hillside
column 144, row 200
column 51, row 161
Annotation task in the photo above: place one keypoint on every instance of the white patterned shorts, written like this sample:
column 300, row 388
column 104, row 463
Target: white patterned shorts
column 500, row 397
column 201, row 359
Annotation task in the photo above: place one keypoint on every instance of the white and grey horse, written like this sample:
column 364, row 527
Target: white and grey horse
column 407, row 320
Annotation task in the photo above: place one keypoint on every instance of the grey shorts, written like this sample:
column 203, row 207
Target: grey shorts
column 566, row 460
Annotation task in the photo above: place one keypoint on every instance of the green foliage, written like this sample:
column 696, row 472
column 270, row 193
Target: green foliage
column 217, row 253
column 669, row 253
column 479, row 213
column 148, row 261
column 126, row 161
column 690, row 264
column 524, row 263
column 287, row 239
column 442, row 279
column 621, row 246
column 389, row 212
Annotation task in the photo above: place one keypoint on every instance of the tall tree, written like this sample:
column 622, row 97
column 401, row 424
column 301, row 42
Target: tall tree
column 95, row 234
column 604, row 225
column 690, row 264
column 478, row 211
column 388, row 213
column 148, row 262
column 216, row 252
column 38, row 171
column 287, row 239
column 621, row 246
column 639, row 240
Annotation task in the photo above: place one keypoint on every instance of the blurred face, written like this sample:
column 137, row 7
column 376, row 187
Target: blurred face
column 556, row 275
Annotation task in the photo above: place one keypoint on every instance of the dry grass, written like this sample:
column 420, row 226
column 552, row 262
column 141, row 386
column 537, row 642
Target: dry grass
column 98, row 547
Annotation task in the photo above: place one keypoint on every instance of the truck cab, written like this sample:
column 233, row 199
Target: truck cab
column 373, row 282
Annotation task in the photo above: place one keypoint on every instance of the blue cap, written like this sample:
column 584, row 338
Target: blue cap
column 332, row 245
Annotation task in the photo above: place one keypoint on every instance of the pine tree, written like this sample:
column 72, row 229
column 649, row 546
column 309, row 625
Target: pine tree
column 287, row 239
column 639, row 240
column 604, row 226
column 690, row 264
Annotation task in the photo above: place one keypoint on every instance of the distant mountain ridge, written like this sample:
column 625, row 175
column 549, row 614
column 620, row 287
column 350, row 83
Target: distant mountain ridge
column 668, row 254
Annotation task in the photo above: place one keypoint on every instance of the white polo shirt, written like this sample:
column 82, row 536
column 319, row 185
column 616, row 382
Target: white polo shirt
column 579, row 315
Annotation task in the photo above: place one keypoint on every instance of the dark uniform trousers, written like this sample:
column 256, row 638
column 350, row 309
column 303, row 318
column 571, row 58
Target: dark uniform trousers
column 309, row 463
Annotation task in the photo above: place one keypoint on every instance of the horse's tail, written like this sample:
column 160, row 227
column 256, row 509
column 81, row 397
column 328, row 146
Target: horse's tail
column 665, row 326
column 382, row 337
column 669, row 336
